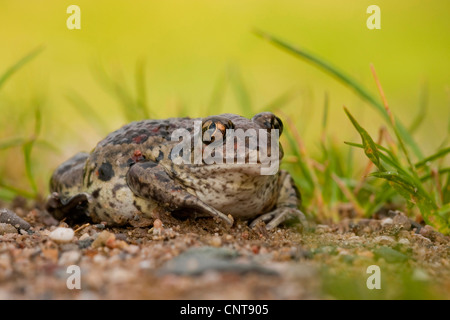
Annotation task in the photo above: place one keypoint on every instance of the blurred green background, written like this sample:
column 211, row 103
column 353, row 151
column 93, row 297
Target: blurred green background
column 186, row 47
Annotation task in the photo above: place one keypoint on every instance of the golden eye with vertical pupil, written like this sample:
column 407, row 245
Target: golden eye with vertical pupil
column 215, row 128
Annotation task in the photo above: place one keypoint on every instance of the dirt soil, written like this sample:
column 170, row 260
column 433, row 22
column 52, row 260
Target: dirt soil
column 201, row 259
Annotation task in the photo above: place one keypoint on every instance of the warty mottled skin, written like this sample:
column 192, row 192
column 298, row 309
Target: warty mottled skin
column 130, row 175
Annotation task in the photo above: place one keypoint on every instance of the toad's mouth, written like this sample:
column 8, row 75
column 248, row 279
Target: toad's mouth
column 252, row 161
column 238, row 155
column 260, row 148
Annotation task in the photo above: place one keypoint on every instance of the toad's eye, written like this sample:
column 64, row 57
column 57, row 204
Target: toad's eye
column 215, row 128
column 277, row 124
column 269, row 121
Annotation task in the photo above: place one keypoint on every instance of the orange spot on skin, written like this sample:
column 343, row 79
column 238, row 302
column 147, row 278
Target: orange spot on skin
column 137, row 156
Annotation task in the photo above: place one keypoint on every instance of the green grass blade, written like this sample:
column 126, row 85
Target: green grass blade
column 417, row 196
column 446, row 189
column 437, row 155
column 430, row 174
column 370, row 148
column 47, row 145
column 118, row 89
column 13, row 191
column 280, row 101
column 326, row 66
column 37, row 123
column 418, row 120
column 379, row 147
column 444, row 212
column 394, row 164
column 349, row 195
column 383, row 195
column 409, row 191
column 19, row 64
column 346, row 80
column 141, row 92
column 354, row 144
column 27, row 149
column 301, row 162
column 446, row 139
column 7, row 195
column 406, row 186
column 10, row 143
column 392, row 160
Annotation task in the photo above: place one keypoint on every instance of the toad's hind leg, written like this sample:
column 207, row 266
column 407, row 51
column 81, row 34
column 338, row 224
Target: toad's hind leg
column 150, row 180
column 287, row 206
column 66, row 199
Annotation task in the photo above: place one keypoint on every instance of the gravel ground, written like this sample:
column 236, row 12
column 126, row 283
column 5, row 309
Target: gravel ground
column 200, row 259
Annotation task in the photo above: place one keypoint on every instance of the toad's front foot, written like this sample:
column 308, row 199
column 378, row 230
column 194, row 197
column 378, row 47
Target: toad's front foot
column 278, row 216
column 149, row 180
column 289, row 200
column 72, row 210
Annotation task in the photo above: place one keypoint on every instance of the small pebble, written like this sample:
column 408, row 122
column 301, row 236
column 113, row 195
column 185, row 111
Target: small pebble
column 132, row 249
column 69, row 258
column 255, row 249
column 98, row 258
column 157, row 224
column 10, row 217
column 84, row 236
column 103, row 238
column 366, row 254
column 7, row 228
column 263, row 250
column 146, row 264
column 5, row 261
column 68, row 247
column 420, row 275
column 404, row 234
column 421, row 239
column 404, row 241
column 322, row 228
column 85, row 243
column 402, row 221
column 62, row 235
column 121, row 236
column 435, row 236
column 50, row 254
column 216, row 241
column 157, row 227
column 374, row 225
column 111, row 242
column 384, row 240
column 119, row 275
